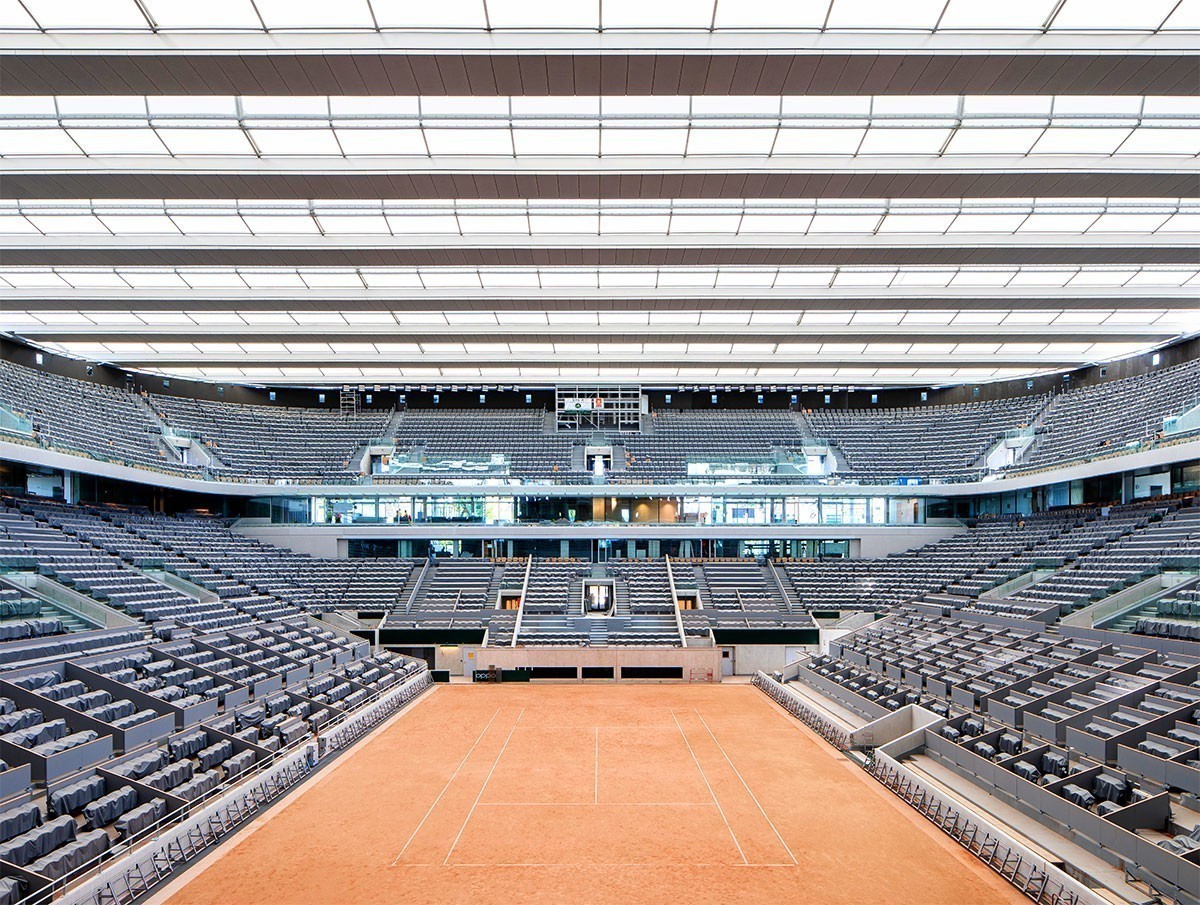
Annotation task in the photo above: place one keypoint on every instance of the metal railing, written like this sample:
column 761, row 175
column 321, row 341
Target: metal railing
column 145, row 859
column 1027, row 871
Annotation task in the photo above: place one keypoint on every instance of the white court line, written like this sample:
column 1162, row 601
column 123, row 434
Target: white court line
column 720, row 810
column 461, row 764
column 597, row 797
column 588, row 804
column 483, row 788
column 742, row 780
column 724, row 865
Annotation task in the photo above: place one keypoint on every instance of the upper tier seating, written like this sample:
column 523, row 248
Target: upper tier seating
column 100, row 421
column 1101, row 420
column 261, row 443
column 264, row 443
column 942, row 442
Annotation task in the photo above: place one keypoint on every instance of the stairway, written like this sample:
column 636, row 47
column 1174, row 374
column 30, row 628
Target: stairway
column 393, row 425
column 621, row 598
column 598, row 632
column 70, row 621
column 574, row 601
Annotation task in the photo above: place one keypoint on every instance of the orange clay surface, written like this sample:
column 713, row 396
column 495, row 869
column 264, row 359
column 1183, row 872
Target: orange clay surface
column 592, row 794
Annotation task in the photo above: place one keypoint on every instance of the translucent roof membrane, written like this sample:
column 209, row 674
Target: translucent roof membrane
column 594, row 127
column 509, row 219
column 681, row 280
column 592, row 15
column 1039, row 323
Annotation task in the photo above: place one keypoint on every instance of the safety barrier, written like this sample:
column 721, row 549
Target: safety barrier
column 160, row 851
column 793, row 704
column 1031, row 874
column 1023, row 868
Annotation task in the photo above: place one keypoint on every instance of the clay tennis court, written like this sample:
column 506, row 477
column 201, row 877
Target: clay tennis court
column 593, row 794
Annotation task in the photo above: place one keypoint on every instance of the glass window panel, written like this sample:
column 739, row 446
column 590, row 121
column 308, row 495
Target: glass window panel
column 616, row 278
column 354, row 224
column 575, row 142
column 1013, row 14
column 992, row 141
column 668, row 14
column 982, row 277
column 1128, row 222
column 37, row 142
column 280, row 224
column 494, row 223
column 863, row 278
column 382, row 142
column 760, row 279
column 704, row 223
column 127, row 224
column 207, row 278
column 552, row 224
column 1097, row 15
column 730, row 141
column 1186, row 16
column 1041, row 277
column 844, row 223
column 286, row 14
column 417, row 224
column 586, row 279
column 877, row 15
column 460, row 279
column 265, row 279
column 653, row 224
column 117, row 141
column 443, row 14
column 95, row 279
column 1102, row 277
column 379, row 279
column 762, row 14
column 924, row 278
column 469, row 141
column 509, row 280
column 987, row 223
column 296, row 142
column 544, row 14
column 205, row 141
column 1066, row 140
column 1159, row 278
column 76, row 15
column 329, row 278
column 1152, row 140
column 1182, row 223
column 903, row 141
column 652, row 142
column 667, row 278
column 149, row 279
column 775, row 223
column 1064, row 222
column 916, row 223
column 803, row 278
column 817, row 141
column 66, row 224
column 198, row 225
column 227, row 15
column 13, row 17
column 15, row 225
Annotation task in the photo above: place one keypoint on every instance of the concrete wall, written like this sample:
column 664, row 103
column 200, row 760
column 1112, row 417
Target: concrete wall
column 751, row 658
column 694, row 660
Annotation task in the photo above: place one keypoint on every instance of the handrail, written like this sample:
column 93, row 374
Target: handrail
column 521, row 604
column 265, row 782
column 1026, row 870
column 416, row 588
column 675, row 603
